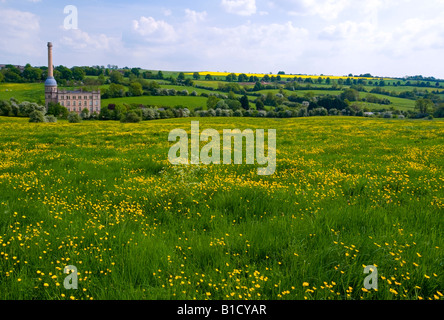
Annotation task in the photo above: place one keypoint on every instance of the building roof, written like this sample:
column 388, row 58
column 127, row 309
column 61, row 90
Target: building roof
column 50, row 82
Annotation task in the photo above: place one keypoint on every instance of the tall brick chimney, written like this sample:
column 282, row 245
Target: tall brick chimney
column 50, row 65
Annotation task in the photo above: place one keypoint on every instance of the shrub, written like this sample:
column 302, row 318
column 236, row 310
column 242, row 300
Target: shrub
column 73, row 117
column 26, row 108
column 262, row 113
column 5, row 108
column 131, row 117
column 238, row 113
column 227, row 113
column 50, row 118
column 303, row 112
column 85, row 114
column 36, row 116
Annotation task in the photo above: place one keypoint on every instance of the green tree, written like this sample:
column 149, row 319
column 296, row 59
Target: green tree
column 258, row 86
column 208, row 77
column 181, row 77
column 135, row 71
column 350, row 95
column 231, row 77
column 196, row 76
column 242, row 78
column 245, row 103
column 135, row 89
column 116, row 90
column 260, row 105
column 424, row 106
column 31, row 74
column 188, row 82
column 78, row 73
column 57, row 110
column 233, row 104
column 11, row 76
column 439, row 112
column 101, row 79
column 63, row 73
column 270, row 99
column 212, row 102
column 116, row 77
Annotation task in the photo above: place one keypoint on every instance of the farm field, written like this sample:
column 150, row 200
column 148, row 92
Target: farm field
column 32, row 92
column 160, row 101
column 102, row 196
column 283, row 76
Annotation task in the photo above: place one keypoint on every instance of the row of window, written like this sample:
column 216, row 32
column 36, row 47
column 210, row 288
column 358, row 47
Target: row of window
column 76, row 97
column 68, row 103
column 97, row 109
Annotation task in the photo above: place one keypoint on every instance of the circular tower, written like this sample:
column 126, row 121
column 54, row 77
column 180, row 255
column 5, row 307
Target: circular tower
column 50, row 83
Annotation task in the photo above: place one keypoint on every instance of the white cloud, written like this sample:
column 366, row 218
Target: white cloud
column 418, row 35
column 347, row 30
column 240, row 7
column 79, row 40
column 326, row 9
column 195, row 16
column 167, row 12
column 253, row 45
column 154, row 30
column 20, row 32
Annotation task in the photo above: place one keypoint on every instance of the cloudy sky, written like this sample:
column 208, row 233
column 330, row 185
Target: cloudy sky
column 334, row 37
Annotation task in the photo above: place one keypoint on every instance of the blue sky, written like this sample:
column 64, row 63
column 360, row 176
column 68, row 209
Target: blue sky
column 334, row 37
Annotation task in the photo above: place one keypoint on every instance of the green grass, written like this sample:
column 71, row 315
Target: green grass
column 160, row 101
column 32, row 92
column 102, row 196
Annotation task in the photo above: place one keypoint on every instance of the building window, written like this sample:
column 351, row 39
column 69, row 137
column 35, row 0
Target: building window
column 97, row 103
column 73, row 103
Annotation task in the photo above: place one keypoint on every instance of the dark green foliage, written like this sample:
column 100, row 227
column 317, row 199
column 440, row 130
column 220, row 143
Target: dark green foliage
column 5, row 108
column 131, row 117
column 73, row 117
column 245, row 103
column 36, row 116
column 57, row 110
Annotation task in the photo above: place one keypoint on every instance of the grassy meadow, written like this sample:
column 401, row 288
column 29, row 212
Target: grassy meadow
column 103, row 197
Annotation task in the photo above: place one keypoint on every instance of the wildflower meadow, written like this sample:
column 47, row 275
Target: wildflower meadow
column 103, row 197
